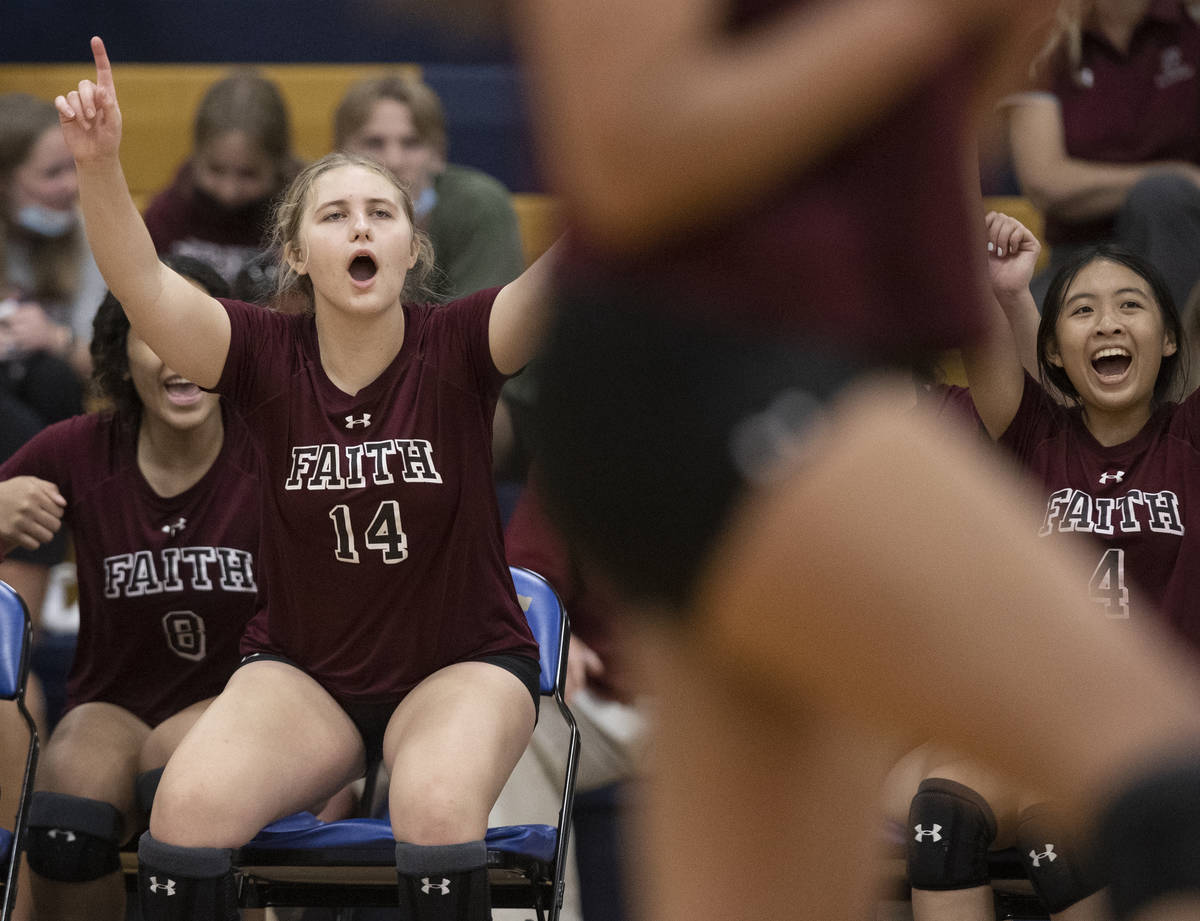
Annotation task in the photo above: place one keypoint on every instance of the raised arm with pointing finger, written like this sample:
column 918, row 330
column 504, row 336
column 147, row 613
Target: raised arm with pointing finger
column 186, row 327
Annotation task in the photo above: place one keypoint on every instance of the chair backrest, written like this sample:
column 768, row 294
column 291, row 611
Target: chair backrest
column 14, row 642
column 547, row 619
column 16, row 633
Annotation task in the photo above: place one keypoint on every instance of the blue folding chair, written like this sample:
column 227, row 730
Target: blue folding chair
column 16, row 634
column 300, row 861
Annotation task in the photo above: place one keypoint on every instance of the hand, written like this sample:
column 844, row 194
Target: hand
column 582, row 665
column 31, row 511
column 90, row 116
column 27, row 328
column 1012, row 255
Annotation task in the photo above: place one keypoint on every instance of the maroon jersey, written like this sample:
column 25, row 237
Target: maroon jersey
column 166, row 586
column 383, row 557
column 810, row 259
column 1135, row 502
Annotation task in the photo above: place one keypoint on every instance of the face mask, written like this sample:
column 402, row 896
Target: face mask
column 424, row 203
column 250, row 216
column 46, row 222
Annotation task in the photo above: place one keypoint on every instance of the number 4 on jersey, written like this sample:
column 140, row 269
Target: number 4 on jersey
column 1107, row 585
column 384, row 533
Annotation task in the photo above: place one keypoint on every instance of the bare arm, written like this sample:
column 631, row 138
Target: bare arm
column 995, row 366
column 652, row 116
column 186, row 328
column 521, row 314
column 1067, row 187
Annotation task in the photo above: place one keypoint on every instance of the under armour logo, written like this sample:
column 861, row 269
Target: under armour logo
column 1115, row 477
column 173, row 529
column 427, row 886
column 155, row 885
column 1047, row 855
column 922, row 833
column 65, row 833
column 364, row 420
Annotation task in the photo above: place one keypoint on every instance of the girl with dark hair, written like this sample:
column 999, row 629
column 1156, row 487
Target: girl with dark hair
column 160, row 494
column 1117, row 465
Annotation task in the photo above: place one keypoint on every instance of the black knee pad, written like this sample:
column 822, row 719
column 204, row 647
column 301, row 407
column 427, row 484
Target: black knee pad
column 185, row 883
column 73, row 839
column 1148, row 841
column 950, row 829
column 446, row 882
column 145, row 786
column 1060, row 866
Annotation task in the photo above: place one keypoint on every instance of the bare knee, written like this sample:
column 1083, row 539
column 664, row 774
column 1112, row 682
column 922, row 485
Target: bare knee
column 430, row 813
column 190, row 810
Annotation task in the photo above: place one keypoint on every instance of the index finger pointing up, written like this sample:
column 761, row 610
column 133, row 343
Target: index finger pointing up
column 104, row 78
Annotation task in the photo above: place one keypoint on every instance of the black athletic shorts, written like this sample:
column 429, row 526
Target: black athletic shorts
column 371, row 719
column 648, row 429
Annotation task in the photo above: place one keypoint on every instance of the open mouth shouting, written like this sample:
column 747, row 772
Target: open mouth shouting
column 182, row 392
column 362, row 269
column 1111, row 364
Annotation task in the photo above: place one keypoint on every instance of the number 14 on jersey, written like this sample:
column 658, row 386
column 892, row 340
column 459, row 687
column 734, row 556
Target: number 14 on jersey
column 384, row 534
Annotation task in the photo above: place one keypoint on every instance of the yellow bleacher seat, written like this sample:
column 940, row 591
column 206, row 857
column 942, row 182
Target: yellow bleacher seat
column 158, row 102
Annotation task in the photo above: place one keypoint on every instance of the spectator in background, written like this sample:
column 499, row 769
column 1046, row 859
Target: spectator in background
column 467, row 214
column 49, row 284
column 218, row 207
column 1106, row 141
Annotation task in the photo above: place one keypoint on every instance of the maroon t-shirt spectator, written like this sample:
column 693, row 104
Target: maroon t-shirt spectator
column 383, row 558
column 184, row 222
column 1137, row 504
column 166, row 585
column 1134, row 107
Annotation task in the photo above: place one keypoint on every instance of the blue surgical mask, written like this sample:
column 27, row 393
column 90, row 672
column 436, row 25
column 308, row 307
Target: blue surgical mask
column 424, row 202
column 46, row 222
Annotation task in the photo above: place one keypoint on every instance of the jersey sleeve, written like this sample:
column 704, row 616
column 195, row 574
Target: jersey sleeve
column 262, row 354
column 463, row 327
column 52, row 454
column 1037, row 418
column 48, row 455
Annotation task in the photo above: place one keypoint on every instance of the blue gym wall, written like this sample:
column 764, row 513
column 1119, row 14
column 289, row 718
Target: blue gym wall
column 476, row 81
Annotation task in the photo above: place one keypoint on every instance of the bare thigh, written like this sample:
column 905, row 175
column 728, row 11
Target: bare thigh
column 166, row 736
column 754, row 805
column 449, row 748
column 272, row 743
